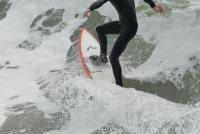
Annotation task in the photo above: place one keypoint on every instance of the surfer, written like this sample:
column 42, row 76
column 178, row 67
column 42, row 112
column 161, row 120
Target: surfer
column 126, row 26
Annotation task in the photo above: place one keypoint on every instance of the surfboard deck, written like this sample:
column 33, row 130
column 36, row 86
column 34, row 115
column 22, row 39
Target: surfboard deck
column 89, row 46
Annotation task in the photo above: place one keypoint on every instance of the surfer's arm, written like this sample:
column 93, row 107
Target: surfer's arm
column 156, row 6
column 97, row 4
column 151, row 3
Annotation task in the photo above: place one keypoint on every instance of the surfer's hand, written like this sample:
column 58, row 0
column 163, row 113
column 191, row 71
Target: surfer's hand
column 87, row 13
column 158, row 8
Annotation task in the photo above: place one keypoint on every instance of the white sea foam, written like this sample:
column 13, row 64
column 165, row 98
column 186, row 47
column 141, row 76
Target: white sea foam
column 176, row 40
column 51, row 54
column 138, row 112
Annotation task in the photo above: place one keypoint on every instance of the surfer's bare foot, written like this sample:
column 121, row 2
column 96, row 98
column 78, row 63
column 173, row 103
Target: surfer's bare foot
column 99, row 60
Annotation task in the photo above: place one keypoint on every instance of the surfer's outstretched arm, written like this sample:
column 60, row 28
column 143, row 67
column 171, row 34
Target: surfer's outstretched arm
column 150, row 2
column 156, row 6
column 97, row 4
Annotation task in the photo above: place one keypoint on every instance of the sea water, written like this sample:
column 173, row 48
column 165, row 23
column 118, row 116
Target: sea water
column 43, row 88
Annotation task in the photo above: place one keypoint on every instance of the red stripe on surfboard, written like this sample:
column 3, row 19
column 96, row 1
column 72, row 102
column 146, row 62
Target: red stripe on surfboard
column 84, row 66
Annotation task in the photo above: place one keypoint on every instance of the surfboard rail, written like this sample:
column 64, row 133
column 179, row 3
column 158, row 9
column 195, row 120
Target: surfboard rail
column 88, row 46
column 84, row 66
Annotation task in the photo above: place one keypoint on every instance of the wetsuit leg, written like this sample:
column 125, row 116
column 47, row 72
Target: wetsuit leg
column 127, row 34
column 113, row 27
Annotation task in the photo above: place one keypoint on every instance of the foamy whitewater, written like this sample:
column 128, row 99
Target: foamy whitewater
column 90, row 106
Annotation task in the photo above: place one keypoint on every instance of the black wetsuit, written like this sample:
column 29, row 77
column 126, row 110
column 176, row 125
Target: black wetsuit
column 126, row 26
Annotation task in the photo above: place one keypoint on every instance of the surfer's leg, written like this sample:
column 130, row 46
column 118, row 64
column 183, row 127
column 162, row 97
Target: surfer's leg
column 118, row 48
column 108, row 28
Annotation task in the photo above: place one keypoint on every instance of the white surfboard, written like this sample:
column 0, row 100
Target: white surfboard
column 89, row 46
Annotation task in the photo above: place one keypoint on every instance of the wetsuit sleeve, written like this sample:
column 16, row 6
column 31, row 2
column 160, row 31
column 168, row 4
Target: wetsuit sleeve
column 150, row 2
column 97, row 4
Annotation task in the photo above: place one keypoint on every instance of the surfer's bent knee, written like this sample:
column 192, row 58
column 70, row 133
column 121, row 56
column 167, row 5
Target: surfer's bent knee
column 99, row 29
column 133, row 29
